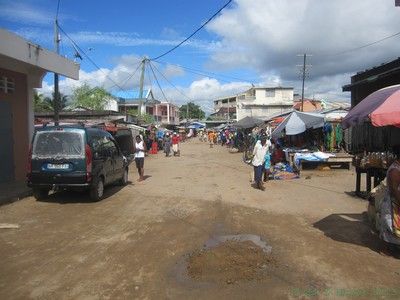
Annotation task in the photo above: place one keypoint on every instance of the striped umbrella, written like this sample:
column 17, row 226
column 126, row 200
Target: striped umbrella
column 382, row 108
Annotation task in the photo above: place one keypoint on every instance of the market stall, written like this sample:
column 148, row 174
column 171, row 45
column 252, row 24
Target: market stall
column 305, row 135
column 380, row 109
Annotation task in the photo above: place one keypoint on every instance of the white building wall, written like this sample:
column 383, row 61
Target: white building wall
column 260, row 112
column 111, row 104
column 273, row 96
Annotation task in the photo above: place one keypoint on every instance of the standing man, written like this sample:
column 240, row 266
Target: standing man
column 167, row 144
column 140, row 149
column 175, row 144
column 259, row 152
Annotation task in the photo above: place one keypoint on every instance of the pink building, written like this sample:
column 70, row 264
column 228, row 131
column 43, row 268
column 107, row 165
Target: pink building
column 166, row 113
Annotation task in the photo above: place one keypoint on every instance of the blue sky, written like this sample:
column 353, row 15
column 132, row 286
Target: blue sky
column 251, row 41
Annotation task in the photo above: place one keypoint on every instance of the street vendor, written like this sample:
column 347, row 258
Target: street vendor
column 390, row 208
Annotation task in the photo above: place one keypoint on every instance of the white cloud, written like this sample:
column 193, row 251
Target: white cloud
column 203, row 91
column 118, row 39
column 268, row 35
column 24, row 13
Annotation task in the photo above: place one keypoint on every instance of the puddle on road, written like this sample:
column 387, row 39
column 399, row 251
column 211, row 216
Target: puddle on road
column 227, row 259
column 256, row 239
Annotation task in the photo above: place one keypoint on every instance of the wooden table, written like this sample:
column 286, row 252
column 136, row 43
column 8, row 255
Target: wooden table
column 340, row 159
column 378, row 174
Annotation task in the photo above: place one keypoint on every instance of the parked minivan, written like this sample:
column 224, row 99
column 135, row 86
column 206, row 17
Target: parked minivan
column 75, row 158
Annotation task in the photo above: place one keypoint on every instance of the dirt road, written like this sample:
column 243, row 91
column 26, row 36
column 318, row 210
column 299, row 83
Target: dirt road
column 152, row 240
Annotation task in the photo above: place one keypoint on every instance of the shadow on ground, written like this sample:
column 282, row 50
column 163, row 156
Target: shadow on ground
column 66, row 197
column 349, row 228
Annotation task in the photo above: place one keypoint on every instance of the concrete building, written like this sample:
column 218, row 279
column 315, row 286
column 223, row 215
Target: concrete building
column 166, row 113
column 22, row 68
column 309, row 105
column 128, row 100
column 163, row 112
column 258, row 102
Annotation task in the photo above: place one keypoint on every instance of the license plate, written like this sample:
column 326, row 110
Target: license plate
column 58, row 166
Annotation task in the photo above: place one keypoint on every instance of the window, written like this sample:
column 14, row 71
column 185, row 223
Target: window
column 269, row 93
column 7, row 85
column 66, row 144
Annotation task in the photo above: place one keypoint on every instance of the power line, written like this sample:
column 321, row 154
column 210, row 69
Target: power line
column 197, row 30
column 169, row 81
column 366, row 45
column 130, row 76
column 58, row 9
column 148, row 74
column 159, row 86
column 88, row 57
column 205, row 73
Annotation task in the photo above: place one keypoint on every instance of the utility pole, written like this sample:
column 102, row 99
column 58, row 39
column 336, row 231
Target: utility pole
column 187, row 112
column 228, row 112
column 303, row 76
column 56, row 79
column 141, row 85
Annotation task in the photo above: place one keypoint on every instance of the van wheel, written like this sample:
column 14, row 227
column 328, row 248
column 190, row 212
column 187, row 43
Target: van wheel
column 40, row 193
column 124, row 178
column 97, row 189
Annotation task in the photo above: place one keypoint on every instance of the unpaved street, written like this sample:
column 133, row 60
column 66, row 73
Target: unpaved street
column 146, row 240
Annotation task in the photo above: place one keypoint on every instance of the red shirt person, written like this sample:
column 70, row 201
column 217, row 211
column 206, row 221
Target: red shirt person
column 175, row 144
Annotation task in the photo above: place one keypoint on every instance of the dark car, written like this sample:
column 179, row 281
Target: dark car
column 75, row 158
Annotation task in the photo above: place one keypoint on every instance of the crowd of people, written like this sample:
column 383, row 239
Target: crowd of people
column 262, row 153
column 151, row 141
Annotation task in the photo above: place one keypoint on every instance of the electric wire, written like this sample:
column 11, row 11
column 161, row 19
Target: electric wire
column 149, row 78
column 366, row 45
column 158, row 83
column 129, row 77
column 197, row 30
column 205, row 73
column 165, row 78
column 88, row 57
column 58, row 9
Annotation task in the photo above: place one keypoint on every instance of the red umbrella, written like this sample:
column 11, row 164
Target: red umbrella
column 381, row 107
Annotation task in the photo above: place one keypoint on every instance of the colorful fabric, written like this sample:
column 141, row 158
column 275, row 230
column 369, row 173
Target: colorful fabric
column 396, row 219
column 389, row 216
column 267, row 159
column 339, row 135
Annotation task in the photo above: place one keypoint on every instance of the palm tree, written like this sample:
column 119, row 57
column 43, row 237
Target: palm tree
column 40, row 103
column 63, row 101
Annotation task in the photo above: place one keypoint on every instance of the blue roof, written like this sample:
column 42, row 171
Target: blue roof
column 129, row 94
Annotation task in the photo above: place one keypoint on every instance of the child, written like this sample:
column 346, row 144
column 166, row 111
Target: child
column 267, row 166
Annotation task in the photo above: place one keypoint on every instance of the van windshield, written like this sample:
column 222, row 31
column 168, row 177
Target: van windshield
column 59, row 144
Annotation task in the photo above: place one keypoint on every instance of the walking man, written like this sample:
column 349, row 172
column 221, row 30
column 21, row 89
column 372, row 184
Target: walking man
column 175, row 144
column 259, row 152
column 140, row 149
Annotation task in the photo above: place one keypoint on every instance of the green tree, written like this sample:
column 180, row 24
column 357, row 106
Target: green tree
column 63, row 101
column 142, row 119
column 40, row 104
column 195, row 111
column 90, row 98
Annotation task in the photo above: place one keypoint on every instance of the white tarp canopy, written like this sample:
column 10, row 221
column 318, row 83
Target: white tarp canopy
column 298, row 122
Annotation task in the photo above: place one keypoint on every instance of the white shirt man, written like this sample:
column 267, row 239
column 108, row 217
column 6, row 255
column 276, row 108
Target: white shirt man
column 259, row 153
